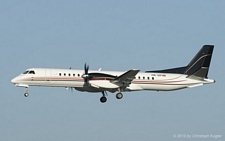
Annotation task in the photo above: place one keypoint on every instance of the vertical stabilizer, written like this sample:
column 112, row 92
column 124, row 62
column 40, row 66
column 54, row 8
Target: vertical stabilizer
column 199, row 65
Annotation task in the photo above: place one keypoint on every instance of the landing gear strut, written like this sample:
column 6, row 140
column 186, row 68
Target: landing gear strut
column 103, row 99
column 26, row 93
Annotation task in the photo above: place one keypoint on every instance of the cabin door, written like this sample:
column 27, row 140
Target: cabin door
column 48, row 76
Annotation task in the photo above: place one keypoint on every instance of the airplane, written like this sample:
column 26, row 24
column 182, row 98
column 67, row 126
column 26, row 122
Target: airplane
column 193, row 75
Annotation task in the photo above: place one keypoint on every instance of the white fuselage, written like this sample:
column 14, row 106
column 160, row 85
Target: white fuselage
column 73, row 78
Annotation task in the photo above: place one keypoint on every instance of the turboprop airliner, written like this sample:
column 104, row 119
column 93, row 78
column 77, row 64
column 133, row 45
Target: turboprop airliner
column 193, row 75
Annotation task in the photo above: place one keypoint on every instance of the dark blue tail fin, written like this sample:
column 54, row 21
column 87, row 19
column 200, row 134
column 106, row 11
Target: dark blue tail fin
column 199, row 65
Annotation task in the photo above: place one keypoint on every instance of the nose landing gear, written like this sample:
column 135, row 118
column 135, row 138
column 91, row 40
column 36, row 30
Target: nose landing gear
column 26, row 93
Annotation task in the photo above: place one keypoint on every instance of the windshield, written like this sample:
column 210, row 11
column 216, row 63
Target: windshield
column 26, row 72
column 29, row 72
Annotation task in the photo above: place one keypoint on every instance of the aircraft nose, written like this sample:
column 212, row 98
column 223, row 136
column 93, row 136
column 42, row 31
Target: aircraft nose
column 14, row 80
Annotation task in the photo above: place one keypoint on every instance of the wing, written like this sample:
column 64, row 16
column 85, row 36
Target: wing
column 123, row 80
column 126, row 78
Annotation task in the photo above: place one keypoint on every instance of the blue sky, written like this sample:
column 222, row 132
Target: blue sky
column 112, row 35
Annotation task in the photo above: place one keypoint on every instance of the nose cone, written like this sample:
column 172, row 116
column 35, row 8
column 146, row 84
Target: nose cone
column 14, row 80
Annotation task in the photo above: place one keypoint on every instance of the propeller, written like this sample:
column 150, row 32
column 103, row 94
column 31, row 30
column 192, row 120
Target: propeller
column 85, row 75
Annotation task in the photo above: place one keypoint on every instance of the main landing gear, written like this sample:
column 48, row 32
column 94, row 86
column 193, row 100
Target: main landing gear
column 119, row 95
column 26, row 93
column 103, row 99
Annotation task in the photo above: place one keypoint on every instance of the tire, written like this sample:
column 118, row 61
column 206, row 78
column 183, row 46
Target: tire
column 103, row 99
column 119, row 95
column 26, row 94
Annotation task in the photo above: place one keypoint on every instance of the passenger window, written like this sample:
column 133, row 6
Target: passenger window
column 143, row 77
column 73, row 74
column 152, row 78
column 64, row 74
column 139, row 77
column 60, row 74
column 78, row 75
column 148, row 78
column 69, row 74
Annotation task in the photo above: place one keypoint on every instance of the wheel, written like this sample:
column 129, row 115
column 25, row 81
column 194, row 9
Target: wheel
column 103, row 99
column 119, row 95
column 26, row 94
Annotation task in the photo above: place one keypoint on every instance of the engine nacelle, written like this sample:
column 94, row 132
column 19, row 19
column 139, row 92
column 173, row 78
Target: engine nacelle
column 89, row 89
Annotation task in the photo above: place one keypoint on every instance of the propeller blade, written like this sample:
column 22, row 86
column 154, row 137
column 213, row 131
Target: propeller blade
column 86, row 68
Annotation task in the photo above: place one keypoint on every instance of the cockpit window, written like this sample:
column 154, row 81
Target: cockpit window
column 31, row 72
column 26, row 72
